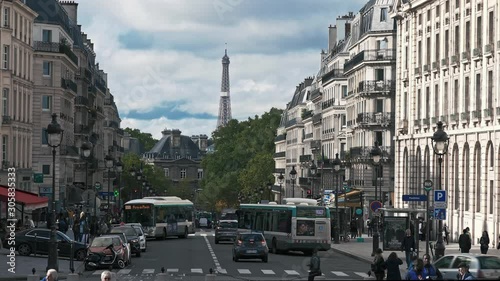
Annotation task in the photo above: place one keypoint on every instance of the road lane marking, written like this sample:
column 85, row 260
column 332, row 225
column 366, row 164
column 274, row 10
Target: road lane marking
column 172, row 270
column 339, row 273
column 221, row 270
column 362, row 274
column 292, row 272
column 124, row 271
column 212, row 253
column 196, row 270
column 244, row 271
column 203, row 234
column 267, row 271
column 148, row 271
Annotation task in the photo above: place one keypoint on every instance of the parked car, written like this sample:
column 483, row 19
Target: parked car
column 99, row 245
column 131, row 236
column 226, row 230
column 123, row 239
column 142, row 236
column 481, row 266
column 250, row 245
column 36, row 240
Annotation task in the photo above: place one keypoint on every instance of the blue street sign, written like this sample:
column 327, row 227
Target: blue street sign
column 414, row 197
column 439, row 195
column 105, row 193
column 440, row 214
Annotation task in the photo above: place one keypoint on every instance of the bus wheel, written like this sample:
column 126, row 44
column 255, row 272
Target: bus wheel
column 164, row 236
column 274, row 247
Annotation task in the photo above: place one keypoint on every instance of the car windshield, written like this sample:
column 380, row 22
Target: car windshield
column 102, row 242
column 489, row 262
column 226, row 224
column 138, row 230
column 250, row 237
column 129, row 231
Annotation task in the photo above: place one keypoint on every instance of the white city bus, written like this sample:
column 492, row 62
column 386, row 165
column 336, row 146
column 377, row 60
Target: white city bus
column 298, row 225
column 161, row 216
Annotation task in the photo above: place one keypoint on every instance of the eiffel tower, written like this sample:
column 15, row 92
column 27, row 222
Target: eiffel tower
column 225, row 97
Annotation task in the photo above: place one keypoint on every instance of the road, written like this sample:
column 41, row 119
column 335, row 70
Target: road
column 192, row 258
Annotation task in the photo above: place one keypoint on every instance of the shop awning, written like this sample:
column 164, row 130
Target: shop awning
column 28, row 199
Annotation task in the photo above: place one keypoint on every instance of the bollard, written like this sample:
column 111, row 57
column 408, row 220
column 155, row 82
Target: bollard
column 71, row 257
column 33, row 276
column 36, row 242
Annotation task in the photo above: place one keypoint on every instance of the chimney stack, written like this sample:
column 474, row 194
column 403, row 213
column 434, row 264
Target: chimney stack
column 71, row 9
column 332, row 37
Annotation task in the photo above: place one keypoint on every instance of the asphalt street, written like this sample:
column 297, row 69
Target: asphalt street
column 192, row 258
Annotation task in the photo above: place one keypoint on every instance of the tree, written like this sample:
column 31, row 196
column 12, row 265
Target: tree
column 145, row 139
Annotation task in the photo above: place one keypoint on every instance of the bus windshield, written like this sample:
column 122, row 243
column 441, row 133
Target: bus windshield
column 142, row 214
column 311, row 212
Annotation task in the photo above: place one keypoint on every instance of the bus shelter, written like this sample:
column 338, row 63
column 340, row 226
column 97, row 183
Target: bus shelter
column 395, row 223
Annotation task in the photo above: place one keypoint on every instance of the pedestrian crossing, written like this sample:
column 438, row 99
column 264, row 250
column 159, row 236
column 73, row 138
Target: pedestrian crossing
column 234, row 272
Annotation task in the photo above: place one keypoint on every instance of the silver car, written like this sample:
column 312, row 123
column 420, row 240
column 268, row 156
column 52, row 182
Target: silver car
column 142, row 236
column 481, row 266
column 226, row 230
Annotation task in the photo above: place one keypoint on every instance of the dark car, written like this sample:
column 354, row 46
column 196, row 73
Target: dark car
column 36, row 241
column 132, row 237
column 250, row 245
column 226, row 230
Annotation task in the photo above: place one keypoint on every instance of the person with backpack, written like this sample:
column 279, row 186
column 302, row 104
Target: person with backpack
column 378, row 265
column 417, row 271
column 408, row 245
column 484, row 242
column 430, row 271
column 314, row 266
column 464, row 242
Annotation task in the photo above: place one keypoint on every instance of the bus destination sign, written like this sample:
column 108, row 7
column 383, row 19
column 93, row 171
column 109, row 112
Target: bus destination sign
column 137, row 207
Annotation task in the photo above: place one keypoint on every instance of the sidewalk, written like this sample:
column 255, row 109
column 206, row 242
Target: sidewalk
column 363, row 250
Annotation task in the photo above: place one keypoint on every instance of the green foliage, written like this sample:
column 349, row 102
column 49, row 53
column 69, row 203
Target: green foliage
column 242, row 161
column 146, row 139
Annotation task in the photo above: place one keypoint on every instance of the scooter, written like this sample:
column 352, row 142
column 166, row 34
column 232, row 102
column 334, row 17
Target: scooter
column 97, row 260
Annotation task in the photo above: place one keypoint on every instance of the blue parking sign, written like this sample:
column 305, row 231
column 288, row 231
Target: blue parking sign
column 439, row 195
column 440, row 214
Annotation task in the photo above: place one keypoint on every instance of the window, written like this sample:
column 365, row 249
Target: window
column 15, row 61
column 466, row 95
column 47, row 35
column 457, row 40
column 46, row 169
column 5, row 56
column 379, row 74
column 478, row 92
column 383, row 14
column 46, row 103
column 491, row 28
column 45, row 136
column 47, row 68
column 378, row 138
column 167, row 172
column 6, row 17
column 5, row 147
column 437, row 11
column 447, row 6
column 380, row 105
column 5, row 102
column 479, row 33
column 200, row 174
column 183, row 173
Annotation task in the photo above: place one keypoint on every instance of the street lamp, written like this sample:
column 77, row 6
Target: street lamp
column 336, row 168
column 281, row 179
column 86, row 149
column 440, row 142
column 119, row 169
column 293, row 176
column 313, row 170
column 55, row 135
column 109, row 164
column 270, row 188
column 376, row 156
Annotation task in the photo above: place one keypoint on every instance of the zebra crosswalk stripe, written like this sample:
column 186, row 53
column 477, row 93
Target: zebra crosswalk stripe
column 172, row 270
column 148, row 271
column 244, row 271
column 124, row 271
column 267, row 271
column 222, row 270
column 292, row 272
column 196, row 270
column 362, row 274
column 339, row 273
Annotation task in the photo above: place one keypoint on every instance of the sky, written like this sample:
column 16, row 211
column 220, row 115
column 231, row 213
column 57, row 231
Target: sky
column 163, row 57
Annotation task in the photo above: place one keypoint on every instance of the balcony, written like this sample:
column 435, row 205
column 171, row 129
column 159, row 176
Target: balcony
column 317, row 118
column 488, row 50
column 363, row 152
column 308, row 136
column 100, row 86
column 306, row 114
column 305, row 158
column 444, row 63
column 417, row 71
column 426, row 69
column 403, row 126
column 425, row 122
column 433, row 120
column 383, row 119
column 416, row 122
column 476, row 54
column 304, row 181
column 69, row 84
column 315, row 144
column 328, row 103
column 488, row 113
column 370, row 55
column 465, row 57
column 279, row 154
column 291, row 122
column 315, row 94
column 82, row 101
column 444, row 118
column 435, row 66
column 52, row 47
column 381, row 86
column 66, row 117
column 476, row 114
column 6, row 119
column 332, row 74
column 465, row 117
column 454, row 117
column 405, row 76
column 281, row 137
column 454, row 60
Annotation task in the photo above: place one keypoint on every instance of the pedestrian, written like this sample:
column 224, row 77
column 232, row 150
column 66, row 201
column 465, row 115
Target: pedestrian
column 392, row 264
column 464, row 242
column 484, row 242
column 417, row 271
column 378, row 265
column 446, row 231
column 28, row 223
column 51, row 275
column 354, row 229
column 408, row 245
column 76, row 229
column 106, row 275
column 84, row 228
column 463, row 272
column 369, row 226
column 430, row 271
column 314, row 266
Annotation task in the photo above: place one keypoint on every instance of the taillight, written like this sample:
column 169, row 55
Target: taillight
column 239, row 242
column 264, row 243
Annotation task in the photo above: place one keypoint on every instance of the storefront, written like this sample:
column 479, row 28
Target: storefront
column 27, row 203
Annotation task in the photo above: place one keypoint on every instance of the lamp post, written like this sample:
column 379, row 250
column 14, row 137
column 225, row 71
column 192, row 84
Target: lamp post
column 440, row 142
column 119, row 169
column 313, row 170
column 55, row 135
column 270, row 188
column 109, row 164
column 86, row 149
column 293, row 176
column 376, row 156
column 281, row 179
column 336, row 168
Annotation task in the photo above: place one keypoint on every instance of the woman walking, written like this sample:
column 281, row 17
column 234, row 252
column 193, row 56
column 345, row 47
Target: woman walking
column 392, row 264
column 484, row 242
column 378, row 265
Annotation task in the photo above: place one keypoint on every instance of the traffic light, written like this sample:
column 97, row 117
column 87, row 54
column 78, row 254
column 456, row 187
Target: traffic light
column 308, row 193
column 117, row 193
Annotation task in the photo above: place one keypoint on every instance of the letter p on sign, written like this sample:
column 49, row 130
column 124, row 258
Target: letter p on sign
column 439, row 195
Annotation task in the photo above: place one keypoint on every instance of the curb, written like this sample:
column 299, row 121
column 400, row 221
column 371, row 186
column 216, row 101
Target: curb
column 62, row 276
column 352, row 255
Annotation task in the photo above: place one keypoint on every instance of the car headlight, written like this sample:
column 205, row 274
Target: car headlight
column 135, row 241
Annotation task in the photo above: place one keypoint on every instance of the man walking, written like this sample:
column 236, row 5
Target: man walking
column 464, row 242
column 314, row 266
column 408, row 245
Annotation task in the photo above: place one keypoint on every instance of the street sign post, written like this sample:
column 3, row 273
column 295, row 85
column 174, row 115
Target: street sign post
column 440, row 204
column 375, row 205
column 428, row 185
